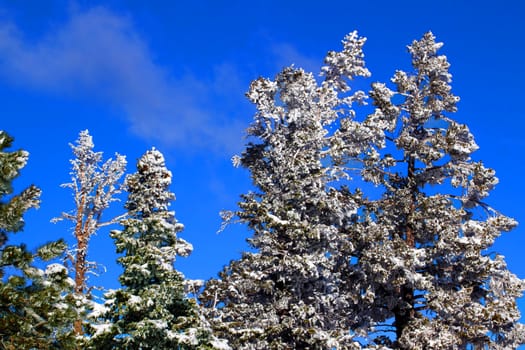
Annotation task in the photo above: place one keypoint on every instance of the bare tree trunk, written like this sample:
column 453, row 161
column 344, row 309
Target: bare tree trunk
column 80, row 259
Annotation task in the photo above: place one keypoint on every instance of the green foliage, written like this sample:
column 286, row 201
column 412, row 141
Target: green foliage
column 150, row 311
column 35, row 307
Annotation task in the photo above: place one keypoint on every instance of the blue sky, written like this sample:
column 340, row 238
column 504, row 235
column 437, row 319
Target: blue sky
column 172, row 74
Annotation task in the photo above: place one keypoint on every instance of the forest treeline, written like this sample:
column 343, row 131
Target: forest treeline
column 332, row 266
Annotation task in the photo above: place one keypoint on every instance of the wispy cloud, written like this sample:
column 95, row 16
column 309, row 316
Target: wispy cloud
column 286, row 55
column 99, row 53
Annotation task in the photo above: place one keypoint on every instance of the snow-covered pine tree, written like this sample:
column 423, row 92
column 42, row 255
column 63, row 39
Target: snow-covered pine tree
column 422, row 250
column 95, row 186
column 151, row 310
column 36, row 307
column 289, row 293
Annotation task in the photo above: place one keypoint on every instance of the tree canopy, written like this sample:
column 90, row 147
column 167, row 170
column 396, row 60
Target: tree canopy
column 370, row 223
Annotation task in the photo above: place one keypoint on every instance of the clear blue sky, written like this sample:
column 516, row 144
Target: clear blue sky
column 172, row 74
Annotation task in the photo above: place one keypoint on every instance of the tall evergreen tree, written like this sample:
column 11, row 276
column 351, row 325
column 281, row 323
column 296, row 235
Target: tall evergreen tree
column 289, row 293
column 36, row 307
column 94, row 187
column 422, row 259
column 151, row 310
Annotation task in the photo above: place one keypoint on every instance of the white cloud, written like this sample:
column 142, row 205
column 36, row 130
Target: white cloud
column 99, row 54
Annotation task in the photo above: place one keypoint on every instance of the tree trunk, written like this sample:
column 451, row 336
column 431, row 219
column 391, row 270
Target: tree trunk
column 80, row 277
column 405, row 313
column 80, row 259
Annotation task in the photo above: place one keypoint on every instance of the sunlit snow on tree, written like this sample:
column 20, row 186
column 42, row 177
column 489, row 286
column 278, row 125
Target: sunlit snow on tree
column 95, row 186
column 290, row 293
column 423, row 269
column 151, row 311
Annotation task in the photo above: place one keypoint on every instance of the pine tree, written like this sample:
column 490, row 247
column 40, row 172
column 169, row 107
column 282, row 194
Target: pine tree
column 36, row 307
column 95, row 186
column 151, row 310
column 289, row 292
column 423, row 266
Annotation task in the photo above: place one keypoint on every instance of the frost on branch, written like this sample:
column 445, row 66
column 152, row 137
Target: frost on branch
column 346, row 64
column 422, row 248
column 95, row 185
column 151, row 310
column 290, row 292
